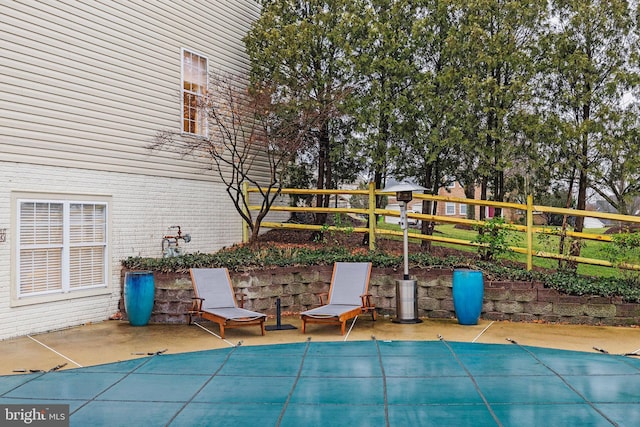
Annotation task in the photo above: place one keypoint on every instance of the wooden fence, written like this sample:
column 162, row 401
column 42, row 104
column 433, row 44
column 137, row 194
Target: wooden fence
column 371, row 212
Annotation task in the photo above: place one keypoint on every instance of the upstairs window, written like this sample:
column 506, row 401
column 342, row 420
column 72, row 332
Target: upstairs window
column 194, row 88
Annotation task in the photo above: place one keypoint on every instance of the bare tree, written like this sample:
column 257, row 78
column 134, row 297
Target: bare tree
column 246, row 143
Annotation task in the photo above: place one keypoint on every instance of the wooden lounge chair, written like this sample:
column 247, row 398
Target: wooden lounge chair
column 347, row 297
column 215, row 300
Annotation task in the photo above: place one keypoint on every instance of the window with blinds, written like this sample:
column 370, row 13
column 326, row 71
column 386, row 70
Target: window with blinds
column 62, row 246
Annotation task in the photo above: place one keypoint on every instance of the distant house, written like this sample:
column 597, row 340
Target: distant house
column 459, row 210
column 453, row 209
column 84, row 87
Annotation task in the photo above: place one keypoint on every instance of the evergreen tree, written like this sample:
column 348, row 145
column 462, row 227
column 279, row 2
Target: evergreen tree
column 588, row 49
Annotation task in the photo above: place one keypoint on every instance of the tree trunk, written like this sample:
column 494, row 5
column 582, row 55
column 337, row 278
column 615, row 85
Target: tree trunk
column 576, row 244
column 581, row 203
column 483, row 196
column 498, row 187
column 563, row 229
column 428, row 207
column 324, row 172
column 380, row 166
column 470, row 193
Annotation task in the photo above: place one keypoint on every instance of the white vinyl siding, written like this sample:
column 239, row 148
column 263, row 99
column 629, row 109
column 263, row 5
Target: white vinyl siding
column 62, row 246
column 90, row 84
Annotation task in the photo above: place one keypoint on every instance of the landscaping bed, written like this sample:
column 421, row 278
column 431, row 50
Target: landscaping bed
column 290, row 248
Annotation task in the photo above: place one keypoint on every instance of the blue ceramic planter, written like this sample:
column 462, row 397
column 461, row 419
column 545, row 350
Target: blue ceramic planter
column 139, row 289
column 468, row 293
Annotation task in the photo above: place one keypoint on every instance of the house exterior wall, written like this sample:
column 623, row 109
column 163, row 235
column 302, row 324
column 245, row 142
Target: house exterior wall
column 454, row 209
column 88, row 85
column 142, row 209
column 84, row 88
column 455, row 190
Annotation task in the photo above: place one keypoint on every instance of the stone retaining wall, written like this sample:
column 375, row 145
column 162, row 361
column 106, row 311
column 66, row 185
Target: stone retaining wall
column 297, row 288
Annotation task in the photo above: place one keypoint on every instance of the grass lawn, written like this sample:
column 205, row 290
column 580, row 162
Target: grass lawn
column 541, row 242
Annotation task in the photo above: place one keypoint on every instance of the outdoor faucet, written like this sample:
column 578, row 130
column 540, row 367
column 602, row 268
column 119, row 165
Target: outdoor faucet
column 170, row 245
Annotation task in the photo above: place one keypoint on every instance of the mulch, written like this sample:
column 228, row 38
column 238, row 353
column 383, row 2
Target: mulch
column 353, row 241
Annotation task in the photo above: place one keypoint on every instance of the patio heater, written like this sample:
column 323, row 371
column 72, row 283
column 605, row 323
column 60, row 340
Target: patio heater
column 406, row 289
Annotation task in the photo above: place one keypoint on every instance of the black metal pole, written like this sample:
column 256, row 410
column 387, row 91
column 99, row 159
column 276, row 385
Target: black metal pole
column 278, row 313
column 279, row 326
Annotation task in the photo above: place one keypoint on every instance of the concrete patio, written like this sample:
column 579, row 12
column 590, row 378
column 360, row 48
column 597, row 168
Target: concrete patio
column 113, row 341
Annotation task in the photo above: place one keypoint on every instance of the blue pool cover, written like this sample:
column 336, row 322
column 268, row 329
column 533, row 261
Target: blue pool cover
column 362, row 383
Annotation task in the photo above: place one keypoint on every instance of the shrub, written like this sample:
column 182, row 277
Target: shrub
column 494, row 239
column 625, row 249
column 245, row 258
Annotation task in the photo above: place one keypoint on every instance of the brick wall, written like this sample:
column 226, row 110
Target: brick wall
column 141, row 208
column 297, row 286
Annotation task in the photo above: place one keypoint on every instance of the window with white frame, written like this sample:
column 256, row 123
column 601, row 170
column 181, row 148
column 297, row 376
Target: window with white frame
column 62, row 246
column 450, row 208
column 194, row 88
column 463, row 209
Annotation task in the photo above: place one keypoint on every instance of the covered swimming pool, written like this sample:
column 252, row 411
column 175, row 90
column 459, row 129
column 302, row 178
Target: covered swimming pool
column 357, row 383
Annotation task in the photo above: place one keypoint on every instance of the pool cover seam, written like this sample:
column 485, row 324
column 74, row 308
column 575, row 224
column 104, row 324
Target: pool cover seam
column 87, row 401
column 295, row 383
column 589, row 402
column 384, row 383
column 35, row 377
column 473, row 380
column 211, row 377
